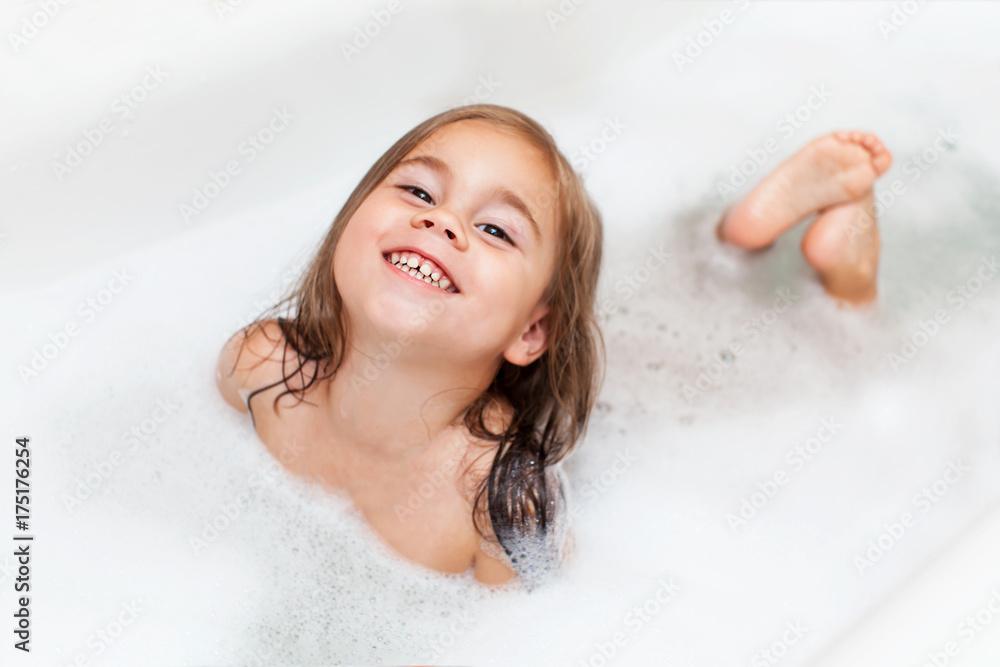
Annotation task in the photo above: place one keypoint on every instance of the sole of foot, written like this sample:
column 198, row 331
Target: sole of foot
column 836, row 168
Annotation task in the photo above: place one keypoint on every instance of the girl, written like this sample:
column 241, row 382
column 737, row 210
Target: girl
column 443, row 345
column 443, row 355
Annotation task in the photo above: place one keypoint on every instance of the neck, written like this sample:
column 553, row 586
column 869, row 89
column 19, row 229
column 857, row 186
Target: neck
column 401, row 408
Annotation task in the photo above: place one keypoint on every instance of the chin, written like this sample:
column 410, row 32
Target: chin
column 394, row 316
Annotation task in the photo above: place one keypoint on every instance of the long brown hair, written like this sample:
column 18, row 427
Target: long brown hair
column 550, row 399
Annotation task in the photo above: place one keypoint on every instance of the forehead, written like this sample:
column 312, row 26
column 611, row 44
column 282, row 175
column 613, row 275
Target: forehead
column 487, row 156
column 477, row 136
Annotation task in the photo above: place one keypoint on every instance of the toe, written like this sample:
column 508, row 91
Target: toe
column 881, row 158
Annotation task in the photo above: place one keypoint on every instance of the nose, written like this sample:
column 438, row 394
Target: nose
column 444, row 222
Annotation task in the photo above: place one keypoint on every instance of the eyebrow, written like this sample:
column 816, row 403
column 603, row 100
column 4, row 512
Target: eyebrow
column 498, row 192
column 428, row 161
column 515, row 202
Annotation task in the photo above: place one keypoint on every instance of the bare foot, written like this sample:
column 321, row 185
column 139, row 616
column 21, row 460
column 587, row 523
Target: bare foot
column 842, row 244
column 834, row 169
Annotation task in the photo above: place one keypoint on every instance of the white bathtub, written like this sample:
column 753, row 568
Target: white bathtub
column 117, row 300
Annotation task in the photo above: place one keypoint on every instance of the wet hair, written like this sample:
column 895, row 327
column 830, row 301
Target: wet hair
column 549, row 399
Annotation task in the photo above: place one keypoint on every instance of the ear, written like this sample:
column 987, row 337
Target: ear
column 533, row 340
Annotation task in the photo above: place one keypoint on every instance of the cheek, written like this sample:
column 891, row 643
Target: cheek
column 358, row 234
column 347, row 253
column 506, row 293
column 338, row 261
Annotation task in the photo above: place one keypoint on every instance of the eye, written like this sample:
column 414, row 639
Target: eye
column 419, row 193
column 502, row 234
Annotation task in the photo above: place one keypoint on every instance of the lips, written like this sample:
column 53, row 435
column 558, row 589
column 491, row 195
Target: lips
column 422, row 266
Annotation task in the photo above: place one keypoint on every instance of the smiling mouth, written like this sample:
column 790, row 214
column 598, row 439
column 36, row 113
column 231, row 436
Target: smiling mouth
column 422, row 269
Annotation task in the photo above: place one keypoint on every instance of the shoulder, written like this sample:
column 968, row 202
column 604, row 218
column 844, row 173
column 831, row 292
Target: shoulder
column 490, row 563
column 252, row 358
column 478, row 453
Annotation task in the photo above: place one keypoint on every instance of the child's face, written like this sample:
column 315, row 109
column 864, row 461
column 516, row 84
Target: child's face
column 465, row 197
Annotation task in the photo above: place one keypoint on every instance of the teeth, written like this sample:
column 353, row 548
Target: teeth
column 412, row 263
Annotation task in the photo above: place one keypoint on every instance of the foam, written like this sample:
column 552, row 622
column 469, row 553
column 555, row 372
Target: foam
column 299, row 574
